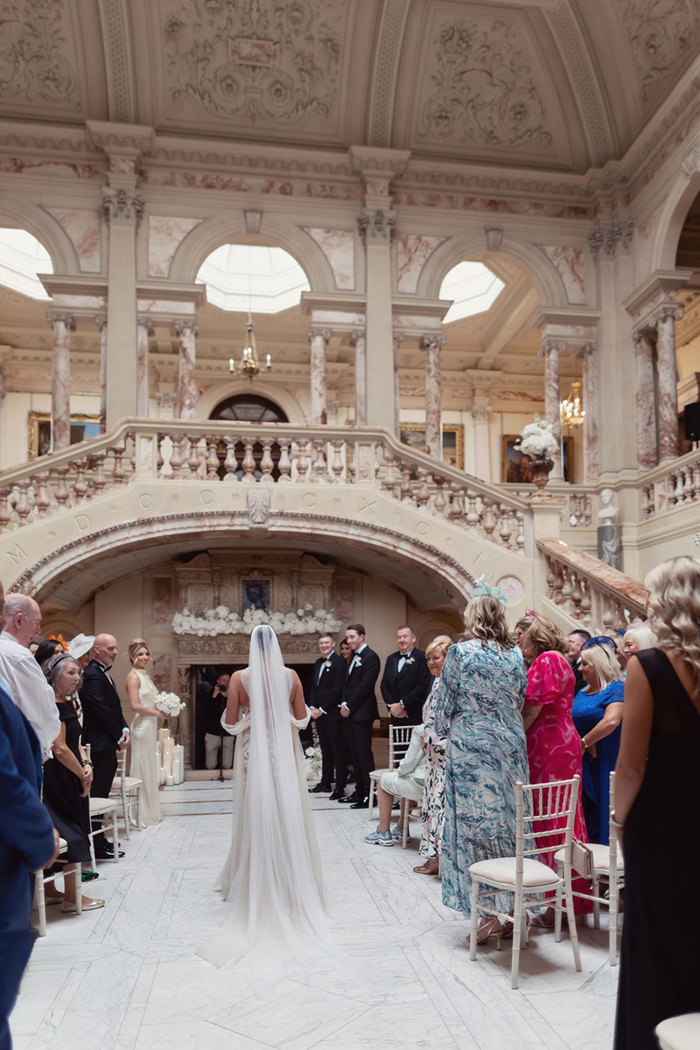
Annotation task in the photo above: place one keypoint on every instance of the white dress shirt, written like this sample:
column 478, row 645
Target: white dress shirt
column 30, row 690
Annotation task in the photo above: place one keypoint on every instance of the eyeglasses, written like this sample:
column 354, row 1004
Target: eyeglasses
column 600, row 639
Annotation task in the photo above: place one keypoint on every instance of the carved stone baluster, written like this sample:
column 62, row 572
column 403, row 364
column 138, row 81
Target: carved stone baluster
column 248, row 464
column 696, row 481
column 194, row 458
column 505, row 528
column 117, row 469
column 42, row 498
column 609, row 613
column 406, row 493
column 566, row 589
column 520, row 533
column 267, row 464
column 5, row 515
column 337, row 464
column 576, row 594
column 98, row 473
column 319, row 467
column 472, row 515
column 488, row 518
column 230, row 461
column 285, row 465
column 80, row 485
column 212, row 460
column 22, row 505
column 176, row 458
column 160, row 459
column 585, row 603
column 440, row 503
column 61, row 487
column 455, row 506
column 423, row 492
column 678, row 496
column 687, row 485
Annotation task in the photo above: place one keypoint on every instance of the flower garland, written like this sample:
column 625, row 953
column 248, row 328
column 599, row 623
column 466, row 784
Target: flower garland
column 222, row 620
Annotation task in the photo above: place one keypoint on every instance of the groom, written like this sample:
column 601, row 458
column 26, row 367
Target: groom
column 359, row 707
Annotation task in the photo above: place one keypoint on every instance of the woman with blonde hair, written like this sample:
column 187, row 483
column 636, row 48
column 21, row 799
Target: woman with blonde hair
column 433, row 804
column 142, row 691
column 597, row 713
column 657, row 787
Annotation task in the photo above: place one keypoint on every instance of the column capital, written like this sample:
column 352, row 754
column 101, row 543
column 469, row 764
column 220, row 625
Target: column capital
column 56, row 317
column 608, row 240
column 551, row 346
column 324, row 333
column 587, row 351
column 122, row 207
column 667, row 309
column 480, row 412
column 181, row 325
column 376, row 225
column 644, row 331
column 356, row 335
column 100, row 320
column 397, row 337
column 432, row 338
column 144, row 321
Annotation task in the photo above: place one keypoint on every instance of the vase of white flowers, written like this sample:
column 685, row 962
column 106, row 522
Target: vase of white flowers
column 537, row 441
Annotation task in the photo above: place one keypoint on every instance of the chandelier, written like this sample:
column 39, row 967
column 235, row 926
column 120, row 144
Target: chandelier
column 249, row 366
column 571, row 408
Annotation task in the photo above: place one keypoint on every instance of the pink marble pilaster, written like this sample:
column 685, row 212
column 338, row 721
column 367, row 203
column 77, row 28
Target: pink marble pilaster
column 101, row 322
column 645, row 399
column 318, row 340
column 144, row 328
column 62, row 325
column 550, row 350
column 358, row 339
column 187, row 331
column 589, row 356
column 398, row 338
column 432, row 344
column 667, row 380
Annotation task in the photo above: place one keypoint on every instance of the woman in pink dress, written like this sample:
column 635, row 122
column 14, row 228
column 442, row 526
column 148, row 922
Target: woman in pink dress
column 553, row 744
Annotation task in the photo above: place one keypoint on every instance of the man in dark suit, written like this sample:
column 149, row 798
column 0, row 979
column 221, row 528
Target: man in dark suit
column 359, row 707
column 325, row 696
column 576, row 639
column 104, row 728
column 406, row 680
column 28, row 842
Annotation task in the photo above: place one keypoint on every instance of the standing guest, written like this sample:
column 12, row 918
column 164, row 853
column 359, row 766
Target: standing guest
column 406, row 679
column 46, row 649
column 479, row 696
column 638, row 636
column 433, row 803
column 104, row 728
column 576, row 640
column 324, row 703
column 28, row 842
column 597, row 714
column 80, row 648
column 28, row 687
column 67, row 779
column 553, row 745
column 218, row 745
column 359, row 707
column 345, row 650
column 142, row 692
column 406, row 781
column 657, row 786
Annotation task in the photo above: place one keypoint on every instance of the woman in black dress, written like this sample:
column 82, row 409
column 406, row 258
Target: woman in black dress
column 657, row 788
column 67, row 779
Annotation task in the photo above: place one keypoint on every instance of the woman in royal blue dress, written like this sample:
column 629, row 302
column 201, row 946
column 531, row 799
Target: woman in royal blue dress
column 597, row 714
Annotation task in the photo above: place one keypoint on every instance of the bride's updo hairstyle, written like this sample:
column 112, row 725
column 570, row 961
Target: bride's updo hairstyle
column 135, row 647
column 674, row 609
column 485, row 619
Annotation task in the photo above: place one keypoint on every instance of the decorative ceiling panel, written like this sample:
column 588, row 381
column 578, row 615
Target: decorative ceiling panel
column 39, row 59
column 663, row 34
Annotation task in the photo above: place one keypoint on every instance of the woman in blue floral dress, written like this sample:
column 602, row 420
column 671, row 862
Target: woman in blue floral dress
column 479, row 698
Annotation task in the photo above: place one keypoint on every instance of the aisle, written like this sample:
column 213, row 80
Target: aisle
column 126, row 978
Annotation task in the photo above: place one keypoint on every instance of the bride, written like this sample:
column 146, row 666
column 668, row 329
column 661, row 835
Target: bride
column 272, row 875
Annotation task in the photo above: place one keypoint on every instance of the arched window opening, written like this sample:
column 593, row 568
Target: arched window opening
column 249, row 408
column 473, row 289
column 22, row 257
column 253, row 277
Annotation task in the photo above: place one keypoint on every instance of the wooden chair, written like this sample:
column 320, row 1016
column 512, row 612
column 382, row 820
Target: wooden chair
column 536, row 805
column 399, row 739
column 128, row 791
column 40, row 880
column 103, row 807
column 605, row 862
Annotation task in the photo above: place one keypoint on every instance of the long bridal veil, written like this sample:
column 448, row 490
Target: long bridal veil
column 272, row 876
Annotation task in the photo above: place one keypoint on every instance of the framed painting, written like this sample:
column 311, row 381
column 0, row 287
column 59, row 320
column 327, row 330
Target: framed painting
column 39, row 431
column 255, row 594
column 515, row 467
column 413, row 435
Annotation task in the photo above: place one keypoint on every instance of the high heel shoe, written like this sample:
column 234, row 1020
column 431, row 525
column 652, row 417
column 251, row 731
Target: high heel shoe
column 489, row 928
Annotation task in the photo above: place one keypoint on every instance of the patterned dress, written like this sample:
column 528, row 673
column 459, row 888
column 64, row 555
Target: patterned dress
column 433, row 804
column 477, row 707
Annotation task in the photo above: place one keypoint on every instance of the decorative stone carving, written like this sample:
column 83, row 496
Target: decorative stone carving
column 661, row 34
column 376, row 227
column 258, row 506
column 484, row 92
column 609, row 548
column 256, row 60
column 122, row 207
column 608, row 240
column 33, row 64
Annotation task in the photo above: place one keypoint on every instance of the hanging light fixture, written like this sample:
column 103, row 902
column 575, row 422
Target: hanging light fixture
column 249, row 366
column 571, row 408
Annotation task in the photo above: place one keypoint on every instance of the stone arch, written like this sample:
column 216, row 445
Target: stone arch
column 278, row 233
column 268, row 388
column 46, row 230
column 678, row 199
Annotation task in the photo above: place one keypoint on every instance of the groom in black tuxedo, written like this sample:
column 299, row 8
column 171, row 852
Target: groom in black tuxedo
column 406, row 680
column 359, row 707
column 324, row 702
column 103, row 728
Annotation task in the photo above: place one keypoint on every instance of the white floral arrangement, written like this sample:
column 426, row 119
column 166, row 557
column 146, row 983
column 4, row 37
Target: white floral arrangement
column 169, row 704
column 222, row 620
column 312, row 758
column 537, row 439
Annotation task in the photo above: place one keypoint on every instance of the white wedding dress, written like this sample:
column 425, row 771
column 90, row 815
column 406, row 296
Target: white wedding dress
column 271, row 879
column 144, row 743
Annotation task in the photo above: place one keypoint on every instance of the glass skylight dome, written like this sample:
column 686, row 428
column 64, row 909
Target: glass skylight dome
column 22, row 257
column 473, row 287
column 249, row 276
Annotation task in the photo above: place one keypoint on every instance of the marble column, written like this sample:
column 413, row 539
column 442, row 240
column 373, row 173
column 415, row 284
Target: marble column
column 480, row 412
column 144, row 328
column 187, row 331
column 589, row 357
column 667, row 380
column 375, row 226
column 359, row 341
column 318, row 339
column 123, row 209
column 432, row 343
column 550, row 350
column 62, row 325
column 398, row 338
column 101, row 322
column 645, row 399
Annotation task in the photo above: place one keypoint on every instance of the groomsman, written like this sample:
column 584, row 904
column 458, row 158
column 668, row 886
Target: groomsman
column 359, row 707
column 324, row 702
column 406, row 680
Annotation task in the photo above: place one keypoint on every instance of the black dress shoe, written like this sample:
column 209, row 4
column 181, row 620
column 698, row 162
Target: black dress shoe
column 107, row 853
column 363, row 803
column 320, row 789
column 350, row 798
column 336, row 796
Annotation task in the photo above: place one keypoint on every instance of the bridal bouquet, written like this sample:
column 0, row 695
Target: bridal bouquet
column 169, row 704
column 312, row 759
column 537, row 439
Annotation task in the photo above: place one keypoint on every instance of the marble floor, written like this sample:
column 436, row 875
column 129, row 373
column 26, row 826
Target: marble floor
column 126, row 977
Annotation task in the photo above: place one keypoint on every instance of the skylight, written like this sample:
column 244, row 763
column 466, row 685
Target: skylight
column 473, row 287
column 248, row 276
column 22, row 257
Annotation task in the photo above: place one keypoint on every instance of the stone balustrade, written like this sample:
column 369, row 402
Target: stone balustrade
column 209, row 452
column 577, row 501
column 673, row 485
column 590, row 593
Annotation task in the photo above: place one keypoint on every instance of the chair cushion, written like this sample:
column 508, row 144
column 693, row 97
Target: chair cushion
column 130, row 784
column 101, row 805
column 502, row 871
column 376, row 774
column 679, row 1033
column 601, row 857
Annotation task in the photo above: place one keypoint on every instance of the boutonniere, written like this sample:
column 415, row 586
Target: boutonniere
column 358, row 661
column 327, row 665
column 411, row 660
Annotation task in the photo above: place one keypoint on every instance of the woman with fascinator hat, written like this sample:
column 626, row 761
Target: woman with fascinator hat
column 271, row 879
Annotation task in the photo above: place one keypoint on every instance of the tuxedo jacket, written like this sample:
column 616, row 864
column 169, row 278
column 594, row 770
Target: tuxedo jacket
column 26, row 829
column 103, row 721
column 411, row 684
column 358, row 691
column 328, row 692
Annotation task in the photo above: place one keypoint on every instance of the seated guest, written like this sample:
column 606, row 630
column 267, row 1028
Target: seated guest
column 406, row 781
column 67, row 780
column 324, row 703
column 597, row 713
column 406, row 679
column 433, row 802
column 576, row 639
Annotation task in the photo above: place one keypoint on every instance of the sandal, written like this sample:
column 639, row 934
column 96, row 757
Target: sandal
column 430, row 867
column 545, row 920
